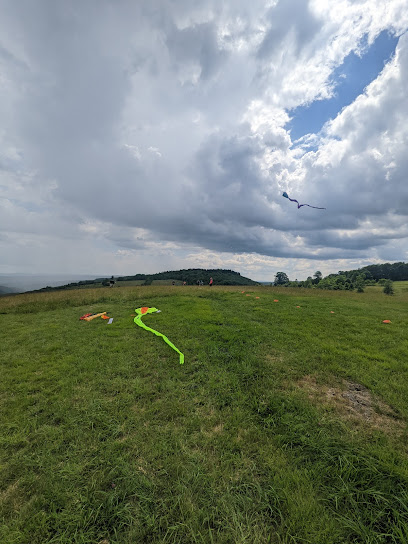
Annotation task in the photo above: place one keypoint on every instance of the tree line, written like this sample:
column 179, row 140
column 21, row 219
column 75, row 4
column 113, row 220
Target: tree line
column 381, row 274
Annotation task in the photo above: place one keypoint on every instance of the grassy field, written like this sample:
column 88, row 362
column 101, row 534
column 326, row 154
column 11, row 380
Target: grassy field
column 286, row 424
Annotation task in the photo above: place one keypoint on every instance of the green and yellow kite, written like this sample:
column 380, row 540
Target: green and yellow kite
column 140, row 312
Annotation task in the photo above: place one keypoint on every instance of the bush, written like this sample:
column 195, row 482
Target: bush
column 388, row 288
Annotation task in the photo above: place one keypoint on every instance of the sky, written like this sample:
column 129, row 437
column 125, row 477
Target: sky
column 139, row 137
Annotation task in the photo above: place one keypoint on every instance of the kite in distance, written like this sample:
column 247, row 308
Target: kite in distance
column 300, row 205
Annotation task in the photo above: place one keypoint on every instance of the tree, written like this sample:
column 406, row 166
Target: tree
column 359, row 283
column 388, row 288
column 339, row 282
column 281, row 278
column 317, row 276
column 348, row 284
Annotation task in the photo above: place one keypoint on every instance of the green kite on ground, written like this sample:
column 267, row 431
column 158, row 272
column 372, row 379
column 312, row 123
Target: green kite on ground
column 138, row 320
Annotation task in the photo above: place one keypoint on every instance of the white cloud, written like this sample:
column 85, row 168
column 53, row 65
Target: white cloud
column 136, row 134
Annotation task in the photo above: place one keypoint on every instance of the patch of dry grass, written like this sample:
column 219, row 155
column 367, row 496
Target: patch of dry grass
column 353, row 402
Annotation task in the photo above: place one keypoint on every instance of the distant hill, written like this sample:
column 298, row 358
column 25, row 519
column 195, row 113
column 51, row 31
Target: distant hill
column 6, row 290
column 191, row 276
column 387, row 271
column 22, row 283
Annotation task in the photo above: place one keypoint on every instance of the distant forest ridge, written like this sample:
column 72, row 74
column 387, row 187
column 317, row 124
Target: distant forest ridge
column 192, row 276
column 387, row 271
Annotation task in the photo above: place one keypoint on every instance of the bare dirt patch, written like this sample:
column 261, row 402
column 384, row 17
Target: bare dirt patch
column 353, row 402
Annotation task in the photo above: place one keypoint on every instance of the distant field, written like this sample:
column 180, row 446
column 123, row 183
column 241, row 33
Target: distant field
column 129, row 283
column 399, row 287
column 286, row 424
column 166, row 282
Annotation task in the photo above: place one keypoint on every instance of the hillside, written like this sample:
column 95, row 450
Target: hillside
column 191, row 276
column 287, row 422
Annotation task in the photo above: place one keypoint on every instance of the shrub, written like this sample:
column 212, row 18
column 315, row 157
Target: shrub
column 388, row 287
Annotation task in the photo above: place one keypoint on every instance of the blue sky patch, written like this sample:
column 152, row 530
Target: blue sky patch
column 351, row 77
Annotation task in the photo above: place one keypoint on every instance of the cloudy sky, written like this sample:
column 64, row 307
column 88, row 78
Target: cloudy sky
column 140, row 136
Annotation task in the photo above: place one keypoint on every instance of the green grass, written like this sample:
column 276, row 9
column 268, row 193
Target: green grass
column 106, row 438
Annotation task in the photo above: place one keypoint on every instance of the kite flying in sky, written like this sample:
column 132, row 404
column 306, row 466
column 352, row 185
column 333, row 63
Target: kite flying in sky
column 300, row 205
